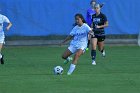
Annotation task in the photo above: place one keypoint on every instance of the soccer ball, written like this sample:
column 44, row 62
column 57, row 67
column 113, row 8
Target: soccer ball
column 58, row 70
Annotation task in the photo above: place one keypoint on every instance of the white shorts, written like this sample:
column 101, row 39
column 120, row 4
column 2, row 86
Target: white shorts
column 74, row 49
column 2, row 38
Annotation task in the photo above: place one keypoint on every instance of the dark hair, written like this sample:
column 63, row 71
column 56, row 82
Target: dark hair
column 81, row 16
column 92, row 1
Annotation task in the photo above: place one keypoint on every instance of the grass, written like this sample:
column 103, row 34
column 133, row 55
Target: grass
column 29, row 69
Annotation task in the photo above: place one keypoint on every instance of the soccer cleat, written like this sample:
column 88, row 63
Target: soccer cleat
column 2, row 60
column 103, row 53
column 87, row 49
column 68, row 60
column 93, row 62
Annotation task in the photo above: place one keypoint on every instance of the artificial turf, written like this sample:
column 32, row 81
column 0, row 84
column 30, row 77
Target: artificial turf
column 29, row 69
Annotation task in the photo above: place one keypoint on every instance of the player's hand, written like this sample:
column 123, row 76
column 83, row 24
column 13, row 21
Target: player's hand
column 98, row 26
column 91, row 33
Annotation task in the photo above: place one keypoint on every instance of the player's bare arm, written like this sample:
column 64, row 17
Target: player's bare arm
column 91, row 33
column 103, row 26
column 67, row 39
column 9, row 26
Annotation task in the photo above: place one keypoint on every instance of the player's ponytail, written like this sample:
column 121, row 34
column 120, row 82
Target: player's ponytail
column 93, row 1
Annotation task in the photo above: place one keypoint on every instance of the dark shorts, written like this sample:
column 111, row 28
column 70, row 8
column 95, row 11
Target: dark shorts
column 100, row 38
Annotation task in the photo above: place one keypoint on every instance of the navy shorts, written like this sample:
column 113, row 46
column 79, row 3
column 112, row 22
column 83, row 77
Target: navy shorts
column 99, row 38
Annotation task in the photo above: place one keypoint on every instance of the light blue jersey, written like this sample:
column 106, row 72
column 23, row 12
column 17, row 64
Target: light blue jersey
column 80, row 36
column 2, row 20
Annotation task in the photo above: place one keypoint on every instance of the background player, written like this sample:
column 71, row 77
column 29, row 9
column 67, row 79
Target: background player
column 89, row 14
column 79, row 34
column 2, row 36
column 98, row 25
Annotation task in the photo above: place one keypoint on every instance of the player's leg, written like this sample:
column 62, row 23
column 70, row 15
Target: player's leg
column 1, row 56
column 93, row 51
column 74, row 62
column 101, row 45
column 66, row 55
column 101, row 48
column 89, row 38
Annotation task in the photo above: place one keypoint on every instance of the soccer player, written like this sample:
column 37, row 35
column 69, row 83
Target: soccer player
column 89, row 14
column 79, row 36
column 99, row 23
column 3, row 19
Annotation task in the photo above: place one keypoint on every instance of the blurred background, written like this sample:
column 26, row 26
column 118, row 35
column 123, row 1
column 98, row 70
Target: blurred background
column 47, row 22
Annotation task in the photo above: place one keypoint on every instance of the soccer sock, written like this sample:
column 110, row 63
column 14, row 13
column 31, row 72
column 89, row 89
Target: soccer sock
column 88, row 43
column 68, row 59
column 0, row 55
column 71, row 69
column 93, row 54
column 102, row 50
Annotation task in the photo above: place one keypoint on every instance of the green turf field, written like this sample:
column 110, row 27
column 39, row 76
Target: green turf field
column 30, row 70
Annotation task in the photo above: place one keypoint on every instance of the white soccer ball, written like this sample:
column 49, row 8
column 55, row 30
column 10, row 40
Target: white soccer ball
column 58, row 70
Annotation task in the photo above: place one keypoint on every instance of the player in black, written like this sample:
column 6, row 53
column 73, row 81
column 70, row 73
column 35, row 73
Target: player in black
column 89, row 14
column 98, row 25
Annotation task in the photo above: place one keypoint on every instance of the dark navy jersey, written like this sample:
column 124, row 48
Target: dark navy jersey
column 99, row 20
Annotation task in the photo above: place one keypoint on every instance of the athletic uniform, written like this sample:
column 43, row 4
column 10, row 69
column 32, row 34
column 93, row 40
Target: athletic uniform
column 80, row 38
column 99, row 32
column 2, row 20
column 2, row 36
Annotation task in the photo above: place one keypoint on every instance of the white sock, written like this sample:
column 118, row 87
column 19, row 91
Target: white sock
column 0, row 55
column 68, row 59
column 71, row 69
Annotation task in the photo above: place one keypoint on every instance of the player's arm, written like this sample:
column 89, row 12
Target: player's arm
column 67, row 39
column 87, row 18
column 6, row 20
column 105, row 22
column 92, row 26
column 91, row 33
column 103, row 26
column 9, row 26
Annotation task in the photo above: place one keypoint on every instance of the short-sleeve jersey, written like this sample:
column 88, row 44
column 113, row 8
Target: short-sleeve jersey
column 2, row 20
column 98, row 20
column 80, row 35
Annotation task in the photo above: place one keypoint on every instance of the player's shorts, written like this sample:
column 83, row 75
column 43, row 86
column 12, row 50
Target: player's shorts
column 99, row 38
column 74, row 49
column 2, row 38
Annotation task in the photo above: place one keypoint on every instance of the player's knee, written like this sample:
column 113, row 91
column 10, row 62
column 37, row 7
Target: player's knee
column 77, row 55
